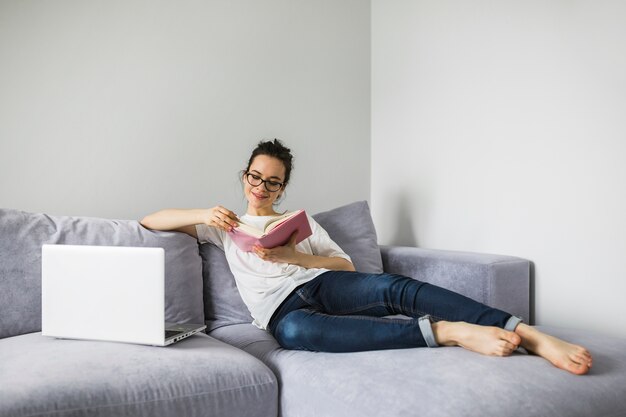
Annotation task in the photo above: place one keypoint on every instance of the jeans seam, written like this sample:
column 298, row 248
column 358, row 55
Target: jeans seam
column 372, row 318
column 419, row 313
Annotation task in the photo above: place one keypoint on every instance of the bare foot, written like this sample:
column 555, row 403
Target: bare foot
column 487, row 340
column 573, row 358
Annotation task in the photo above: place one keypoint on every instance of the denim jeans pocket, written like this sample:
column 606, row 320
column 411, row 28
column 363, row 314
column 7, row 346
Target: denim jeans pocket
column 309, row 300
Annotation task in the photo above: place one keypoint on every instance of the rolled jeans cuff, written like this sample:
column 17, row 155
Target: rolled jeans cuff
column 426, row 328
column 512, row 323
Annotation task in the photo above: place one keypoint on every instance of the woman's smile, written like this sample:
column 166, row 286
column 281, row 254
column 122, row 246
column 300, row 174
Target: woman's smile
column 259, row 196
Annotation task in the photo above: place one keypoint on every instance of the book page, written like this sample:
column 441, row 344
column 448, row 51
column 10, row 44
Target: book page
column 252, row 231
column 271, row 224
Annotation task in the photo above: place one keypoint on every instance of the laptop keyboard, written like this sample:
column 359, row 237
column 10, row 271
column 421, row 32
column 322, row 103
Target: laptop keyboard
column 170, row 333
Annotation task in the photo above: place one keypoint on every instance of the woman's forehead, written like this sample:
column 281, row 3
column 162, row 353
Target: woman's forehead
column 268, row 166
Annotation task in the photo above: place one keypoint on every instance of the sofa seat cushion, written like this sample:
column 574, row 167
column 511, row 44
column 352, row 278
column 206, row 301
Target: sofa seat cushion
column 449, row 381
column 198, row 376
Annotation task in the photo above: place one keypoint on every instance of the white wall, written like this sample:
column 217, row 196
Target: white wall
column 496, row 126
column 501, row 127
column 120, row 108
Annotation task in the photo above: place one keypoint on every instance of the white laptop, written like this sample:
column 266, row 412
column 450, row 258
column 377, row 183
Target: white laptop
column 110, row 293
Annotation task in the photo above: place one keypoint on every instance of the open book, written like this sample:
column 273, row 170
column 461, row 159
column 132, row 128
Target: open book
column 276, row 232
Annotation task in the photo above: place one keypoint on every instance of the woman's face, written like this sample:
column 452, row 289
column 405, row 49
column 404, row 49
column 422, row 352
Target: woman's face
column 260, row 199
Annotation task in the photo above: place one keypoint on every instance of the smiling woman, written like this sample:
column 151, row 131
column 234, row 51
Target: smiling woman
column 309, row 297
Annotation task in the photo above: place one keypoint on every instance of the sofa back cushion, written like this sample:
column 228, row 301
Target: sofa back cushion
column 350, row 226
column 223, row 305
column 21, row 237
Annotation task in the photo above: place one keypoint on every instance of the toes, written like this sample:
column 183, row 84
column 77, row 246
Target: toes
column 582, row 359
column 577, row 368
column 582, row 356
column 510, row 347
column 584, row 352
column 505, row 349
column 511, row 337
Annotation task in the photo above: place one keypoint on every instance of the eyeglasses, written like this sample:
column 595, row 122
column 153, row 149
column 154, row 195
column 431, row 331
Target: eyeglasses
column 255, row 181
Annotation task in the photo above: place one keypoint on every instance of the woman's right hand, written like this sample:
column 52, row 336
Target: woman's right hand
column 222, row 218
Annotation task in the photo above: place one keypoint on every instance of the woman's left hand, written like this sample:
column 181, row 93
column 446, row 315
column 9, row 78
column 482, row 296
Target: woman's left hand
column 281, row 254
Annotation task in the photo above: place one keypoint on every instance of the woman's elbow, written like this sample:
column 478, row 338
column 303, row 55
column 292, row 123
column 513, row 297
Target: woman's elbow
column 146, row 222
column 349, row 266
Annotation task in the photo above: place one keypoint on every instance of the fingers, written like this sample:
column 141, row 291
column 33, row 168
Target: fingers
column 227, row 216
column 292, row 239
column 277, row 254
column 223, row 218
column 259, row 251
column 265, row 254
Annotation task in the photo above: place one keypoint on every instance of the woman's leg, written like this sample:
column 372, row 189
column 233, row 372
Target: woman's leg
column 347, row 293
column 340, row 311
column 344, row 310
column 311, row 329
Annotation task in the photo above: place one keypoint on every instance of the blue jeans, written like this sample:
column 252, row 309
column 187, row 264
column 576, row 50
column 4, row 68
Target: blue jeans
column 342, row 311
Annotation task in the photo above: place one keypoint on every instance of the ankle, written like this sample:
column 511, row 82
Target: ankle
column 528, row 336
column 444, row 333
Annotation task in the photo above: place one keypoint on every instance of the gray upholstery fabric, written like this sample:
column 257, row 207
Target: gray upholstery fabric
column 222, row 303
column 21, row 237
column 496, row 280
column 352, row 228
column 446, row 381
column 199, row 376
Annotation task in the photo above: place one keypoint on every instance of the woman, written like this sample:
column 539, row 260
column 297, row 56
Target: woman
column 310, row 297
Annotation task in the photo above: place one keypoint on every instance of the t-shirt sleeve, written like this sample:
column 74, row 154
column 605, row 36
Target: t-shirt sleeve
column 322, row 244
column 210, row 234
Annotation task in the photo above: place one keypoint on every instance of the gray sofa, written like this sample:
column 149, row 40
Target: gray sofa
column 238, row 370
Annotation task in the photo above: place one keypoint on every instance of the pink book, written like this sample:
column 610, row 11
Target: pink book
column 276, row 232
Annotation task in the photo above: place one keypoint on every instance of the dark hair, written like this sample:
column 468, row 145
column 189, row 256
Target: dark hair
column 277, row 150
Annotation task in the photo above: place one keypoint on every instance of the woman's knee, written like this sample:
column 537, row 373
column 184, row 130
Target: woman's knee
column 291, row 332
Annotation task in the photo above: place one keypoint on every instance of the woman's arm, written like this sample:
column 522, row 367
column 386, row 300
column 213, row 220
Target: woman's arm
column 333, row 263
column 184, row 220
column 289, row 254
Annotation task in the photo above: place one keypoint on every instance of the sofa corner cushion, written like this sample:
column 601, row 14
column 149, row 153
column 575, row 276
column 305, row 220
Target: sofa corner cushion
column 198, row 376
column 22, row 234
column 352, row 228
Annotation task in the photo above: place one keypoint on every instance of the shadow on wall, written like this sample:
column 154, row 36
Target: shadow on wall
column 403, row 234
column 531, row 312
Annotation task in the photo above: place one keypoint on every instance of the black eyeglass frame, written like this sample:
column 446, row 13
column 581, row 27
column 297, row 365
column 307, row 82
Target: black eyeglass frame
column 260, row 181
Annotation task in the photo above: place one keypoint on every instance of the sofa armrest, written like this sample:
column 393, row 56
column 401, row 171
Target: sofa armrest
column 499, row 281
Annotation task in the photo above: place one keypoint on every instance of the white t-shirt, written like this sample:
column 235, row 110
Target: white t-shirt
column 263, row 285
